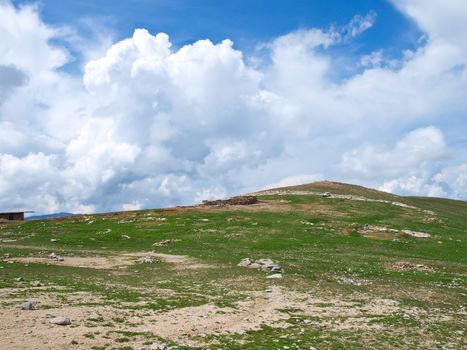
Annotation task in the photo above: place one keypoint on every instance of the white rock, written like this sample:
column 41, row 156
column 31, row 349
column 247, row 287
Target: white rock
column 417, row 234
column 60, row 320
column 147, row 260
column 29, row 305
column 245, row 262
column 254, row 266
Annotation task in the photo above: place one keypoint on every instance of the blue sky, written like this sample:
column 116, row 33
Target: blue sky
column 242, row 20
column 117, row 105
column 248, row 23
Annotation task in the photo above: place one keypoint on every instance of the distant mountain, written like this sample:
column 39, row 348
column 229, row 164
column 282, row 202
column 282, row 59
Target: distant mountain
column 50, row 216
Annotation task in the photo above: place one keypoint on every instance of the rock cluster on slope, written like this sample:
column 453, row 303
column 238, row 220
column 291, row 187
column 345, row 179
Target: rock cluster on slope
column 261, row 264
column 239, row 200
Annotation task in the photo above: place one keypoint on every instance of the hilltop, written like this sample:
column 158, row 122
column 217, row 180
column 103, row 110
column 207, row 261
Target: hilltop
column 339, row 188
column 289, row 269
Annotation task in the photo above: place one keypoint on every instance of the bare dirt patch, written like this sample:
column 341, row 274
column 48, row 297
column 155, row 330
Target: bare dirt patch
column 182, row 262
column 385, row 233
column 31, row 329
column 277, row 206
column 114, row 262
column 93, row 262
column 409, row 266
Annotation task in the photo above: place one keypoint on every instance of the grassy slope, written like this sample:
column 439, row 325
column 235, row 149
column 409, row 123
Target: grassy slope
column 314, row 256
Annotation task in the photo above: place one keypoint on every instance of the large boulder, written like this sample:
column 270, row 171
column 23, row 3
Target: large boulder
column 163, row 243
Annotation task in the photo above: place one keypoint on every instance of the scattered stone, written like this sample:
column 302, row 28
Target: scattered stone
column 353, row 281
column 416, row 234
column 372, row 229
column 264, row 261
column 160, row 219
column 60, row 320
column 36, row 283
column 56, row 257
column 245, row 262
column 163, row 243
column 54, row 240
column 29, row 305
column 126, row 237
column 263, row 264
column 408, row 266
column 275, row 276
column 19, row 279
column 306, row 223
column 147, row 260
column 269, row 265
column 254, row 266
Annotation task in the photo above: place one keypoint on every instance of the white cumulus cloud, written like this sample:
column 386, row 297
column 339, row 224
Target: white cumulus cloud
column 416, row 151
column 150, row 125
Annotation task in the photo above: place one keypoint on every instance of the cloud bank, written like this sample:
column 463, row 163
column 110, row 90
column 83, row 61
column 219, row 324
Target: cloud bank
column 150, row 125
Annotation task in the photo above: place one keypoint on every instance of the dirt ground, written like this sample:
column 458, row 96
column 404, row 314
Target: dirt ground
column 99, row 322
column 22, row 329
column 111, row 262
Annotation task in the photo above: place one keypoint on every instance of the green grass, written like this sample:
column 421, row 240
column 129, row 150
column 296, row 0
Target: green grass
column 315, row 256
